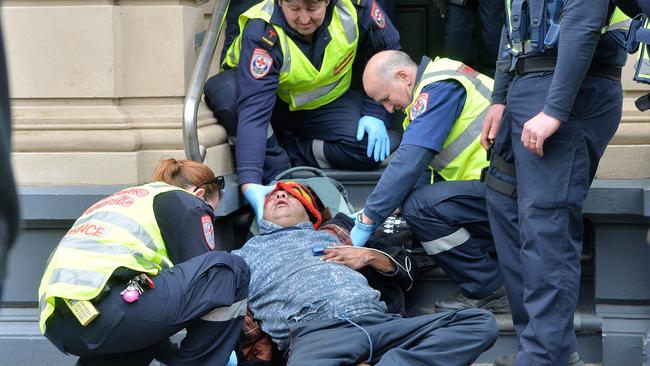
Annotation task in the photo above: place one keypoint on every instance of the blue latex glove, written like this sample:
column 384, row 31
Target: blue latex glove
column 233, row 359
column 354, row 215
column 256, row 195
column 361, row 232
column 378, row 142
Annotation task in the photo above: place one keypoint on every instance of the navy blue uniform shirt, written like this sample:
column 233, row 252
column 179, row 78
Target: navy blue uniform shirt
column 186, row 224
column 580, row 44
column 423, row 138
column 256, row 92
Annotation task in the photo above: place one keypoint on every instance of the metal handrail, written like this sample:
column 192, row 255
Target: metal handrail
column 194, row 150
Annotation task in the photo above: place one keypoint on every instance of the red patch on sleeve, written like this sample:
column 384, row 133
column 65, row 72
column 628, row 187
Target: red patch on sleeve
column 208, row 231
column 378, row 15
column 464, row 69
column 261, row 62
column 420, row 105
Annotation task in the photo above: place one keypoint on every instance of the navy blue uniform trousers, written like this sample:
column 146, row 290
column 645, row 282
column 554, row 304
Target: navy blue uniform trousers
column 450, row 219
column 472, row 33
column 445, row 339
column 206, row 295
column 538, row 234
column 324, row 137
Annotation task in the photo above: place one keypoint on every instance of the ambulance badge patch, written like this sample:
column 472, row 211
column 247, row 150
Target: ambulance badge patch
column 420, row 105
column 464, row 69
column 378, row 15
column 208, row 231
column 261, row 63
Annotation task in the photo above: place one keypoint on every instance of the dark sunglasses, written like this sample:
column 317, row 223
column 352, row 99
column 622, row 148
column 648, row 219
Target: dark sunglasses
column 219, row 181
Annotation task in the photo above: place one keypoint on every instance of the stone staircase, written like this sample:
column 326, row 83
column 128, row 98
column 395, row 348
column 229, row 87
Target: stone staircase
column 612, row 321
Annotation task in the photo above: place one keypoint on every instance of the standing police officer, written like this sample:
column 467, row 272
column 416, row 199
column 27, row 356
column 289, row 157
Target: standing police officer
column 163, row 230
column 302, row 53
column 445, row 102
column 555, row 106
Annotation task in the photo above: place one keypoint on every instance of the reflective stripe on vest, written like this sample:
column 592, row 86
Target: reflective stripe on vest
column 117, row 231
column 124, row 222
column 618, row 21
column 462, row 157
column 300, row 84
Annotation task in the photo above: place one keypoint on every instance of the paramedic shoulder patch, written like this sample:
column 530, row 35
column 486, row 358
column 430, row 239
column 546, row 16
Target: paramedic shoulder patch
column 261, row 63
column 464, row 69
column 378, row 15
column 208, row 231
column 420, row 105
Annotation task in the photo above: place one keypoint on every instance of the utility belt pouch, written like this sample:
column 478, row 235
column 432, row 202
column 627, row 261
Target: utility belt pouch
column 632, row 37
column 538, row 24
column 519, row 26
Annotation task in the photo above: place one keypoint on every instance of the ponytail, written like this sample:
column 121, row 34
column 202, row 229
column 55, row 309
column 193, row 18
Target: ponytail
column 185, row 174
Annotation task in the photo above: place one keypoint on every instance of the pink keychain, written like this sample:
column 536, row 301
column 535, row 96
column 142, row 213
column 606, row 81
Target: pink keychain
column 132, row 291
column 131, row 295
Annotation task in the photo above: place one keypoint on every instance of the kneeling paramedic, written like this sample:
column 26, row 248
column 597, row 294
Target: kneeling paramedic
column 138, row 267
column 444, row 102
column 285, row 92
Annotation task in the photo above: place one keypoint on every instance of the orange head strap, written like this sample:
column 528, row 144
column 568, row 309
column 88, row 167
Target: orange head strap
column 303, row 194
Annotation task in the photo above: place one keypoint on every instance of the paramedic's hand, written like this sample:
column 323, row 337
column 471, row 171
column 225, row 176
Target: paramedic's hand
column 491, row 124
column 378, row 142
column 361, row 232
column 256, row 194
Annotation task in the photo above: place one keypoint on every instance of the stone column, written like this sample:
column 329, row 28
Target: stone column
column 97, row 89
column 628, row 154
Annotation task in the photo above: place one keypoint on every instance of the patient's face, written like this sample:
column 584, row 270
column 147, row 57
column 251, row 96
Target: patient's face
column 284, row 210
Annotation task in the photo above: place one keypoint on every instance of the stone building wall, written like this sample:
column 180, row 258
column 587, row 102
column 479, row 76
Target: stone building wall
column 97, row 90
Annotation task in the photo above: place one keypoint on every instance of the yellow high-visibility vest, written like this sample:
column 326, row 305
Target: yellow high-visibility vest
column 301, row 85
column 118, row 231
column 462, row 156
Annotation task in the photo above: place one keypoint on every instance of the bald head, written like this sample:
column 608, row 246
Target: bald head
column 389, row 79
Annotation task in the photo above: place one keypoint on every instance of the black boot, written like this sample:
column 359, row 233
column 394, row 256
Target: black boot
column 496, row 302
column 509, row 360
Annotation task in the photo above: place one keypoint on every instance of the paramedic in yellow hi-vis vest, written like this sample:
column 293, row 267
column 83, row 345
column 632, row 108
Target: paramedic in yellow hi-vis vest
column 445, row 102
column 141, row 265
column 285, row 92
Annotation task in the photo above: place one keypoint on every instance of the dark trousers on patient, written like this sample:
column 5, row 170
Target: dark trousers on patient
column 444, row 339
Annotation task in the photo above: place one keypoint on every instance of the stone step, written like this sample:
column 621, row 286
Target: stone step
column 22, row 344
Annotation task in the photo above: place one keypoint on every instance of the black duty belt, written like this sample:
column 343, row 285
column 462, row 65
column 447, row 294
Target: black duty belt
column 541, row 64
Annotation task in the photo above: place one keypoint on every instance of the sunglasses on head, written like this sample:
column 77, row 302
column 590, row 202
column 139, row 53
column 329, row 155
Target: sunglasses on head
column 219, row 181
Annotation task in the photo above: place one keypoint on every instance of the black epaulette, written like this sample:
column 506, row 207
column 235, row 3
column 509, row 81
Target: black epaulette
column 361, row 3
column 270, row 36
